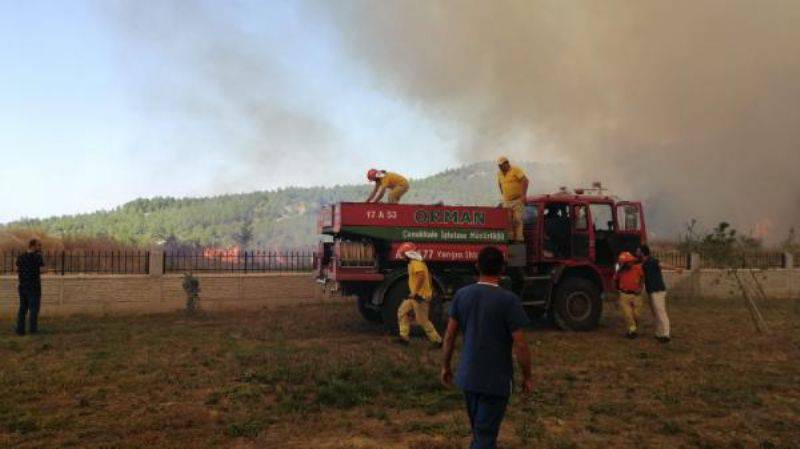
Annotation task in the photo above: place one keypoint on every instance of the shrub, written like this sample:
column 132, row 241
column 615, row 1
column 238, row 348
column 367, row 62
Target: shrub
column 191, row 285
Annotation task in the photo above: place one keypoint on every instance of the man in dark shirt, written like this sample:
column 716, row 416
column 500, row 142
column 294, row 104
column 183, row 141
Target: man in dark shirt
column 29, row 267
column 657, row 292
column 491, row 319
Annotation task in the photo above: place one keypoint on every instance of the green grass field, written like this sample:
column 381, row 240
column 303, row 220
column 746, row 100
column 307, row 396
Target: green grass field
column 318, row 376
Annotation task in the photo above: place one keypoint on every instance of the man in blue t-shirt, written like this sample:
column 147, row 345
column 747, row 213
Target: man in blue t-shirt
column 491, row 319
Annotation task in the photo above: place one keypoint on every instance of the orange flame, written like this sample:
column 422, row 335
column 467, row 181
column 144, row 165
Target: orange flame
column 229, row 255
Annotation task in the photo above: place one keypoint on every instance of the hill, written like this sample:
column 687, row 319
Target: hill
column 282, row 218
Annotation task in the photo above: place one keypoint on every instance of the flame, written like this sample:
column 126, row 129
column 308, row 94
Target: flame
column 764, row 228
column 226, row 254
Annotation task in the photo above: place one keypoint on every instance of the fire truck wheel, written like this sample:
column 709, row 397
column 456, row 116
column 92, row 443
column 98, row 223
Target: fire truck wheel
column 438, row 315
column 534, row 313
column 577, row 305
column 395, row 295
column 371, row 314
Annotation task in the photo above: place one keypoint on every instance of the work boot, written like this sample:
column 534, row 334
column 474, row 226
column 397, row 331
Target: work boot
column 632, row 334
column 663, row 339
column 402, row 341
column 436, row 345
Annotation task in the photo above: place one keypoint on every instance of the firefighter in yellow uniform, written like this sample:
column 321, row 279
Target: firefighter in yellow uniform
column 384, row 180
column 513, row 186
column 421, row 294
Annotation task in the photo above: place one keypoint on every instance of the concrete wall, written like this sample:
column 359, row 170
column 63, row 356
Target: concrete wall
column 714, row 283
column 110, row 294
column 102, row 294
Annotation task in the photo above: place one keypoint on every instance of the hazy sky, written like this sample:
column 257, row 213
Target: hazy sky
column 690, row 106
column 103, row 102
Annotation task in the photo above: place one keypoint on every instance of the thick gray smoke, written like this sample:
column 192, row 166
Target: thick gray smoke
column 693, row 106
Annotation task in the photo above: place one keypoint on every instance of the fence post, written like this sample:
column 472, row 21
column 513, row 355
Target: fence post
column 695, row 261
column 156, row 261
column 788, row 260
column 63, row 262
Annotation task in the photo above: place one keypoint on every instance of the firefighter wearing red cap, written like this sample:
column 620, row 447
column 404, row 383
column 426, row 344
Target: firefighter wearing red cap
column 629, row 279
column 384, row 180
column 513, row 184
column 421, row 293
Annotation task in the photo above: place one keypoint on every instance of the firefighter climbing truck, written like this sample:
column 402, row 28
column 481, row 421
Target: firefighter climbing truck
column 562, row 270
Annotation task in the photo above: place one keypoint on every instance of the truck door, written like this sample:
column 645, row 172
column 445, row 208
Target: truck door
column 604, row 233
column 530, row 229
column 557, row 231
column 630, row 226
column 581, row 239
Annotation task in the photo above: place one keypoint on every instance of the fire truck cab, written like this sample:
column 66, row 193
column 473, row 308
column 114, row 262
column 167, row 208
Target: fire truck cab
column 567, row 261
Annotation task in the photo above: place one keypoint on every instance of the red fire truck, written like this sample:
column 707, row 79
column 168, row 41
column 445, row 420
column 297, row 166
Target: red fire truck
column 563, row 269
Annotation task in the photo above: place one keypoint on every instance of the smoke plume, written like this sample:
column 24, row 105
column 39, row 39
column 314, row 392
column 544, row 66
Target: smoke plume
column 222, row 92
column 690, row 105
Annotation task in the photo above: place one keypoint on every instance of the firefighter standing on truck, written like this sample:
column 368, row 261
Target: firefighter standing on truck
column 386, row 180
column 513, row 186
column 419, row 299
column 628, row 279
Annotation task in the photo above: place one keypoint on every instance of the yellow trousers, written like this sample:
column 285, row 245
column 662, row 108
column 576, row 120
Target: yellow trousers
column 396, row 193
column 516, row 207
column 630, row 305
column 420, row 310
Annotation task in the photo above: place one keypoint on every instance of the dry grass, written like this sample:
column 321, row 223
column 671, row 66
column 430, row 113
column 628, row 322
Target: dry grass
column 317, row 376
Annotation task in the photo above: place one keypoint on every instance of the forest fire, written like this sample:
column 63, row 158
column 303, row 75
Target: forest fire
column 764, row 228
column 236, row 255
column 228, row 255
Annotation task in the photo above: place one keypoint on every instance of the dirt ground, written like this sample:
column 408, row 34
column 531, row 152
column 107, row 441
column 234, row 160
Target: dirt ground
column 319, row 376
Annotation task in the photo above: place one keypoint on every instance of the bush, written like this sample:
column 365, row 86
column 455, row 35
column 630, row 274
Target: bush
column 722, row 247
column 191, row 285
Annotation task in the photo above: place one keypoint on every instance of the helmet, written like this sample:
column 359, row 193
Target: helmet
column 372, row 174
column 502, row 160
column 406, row 247
column 626, row 257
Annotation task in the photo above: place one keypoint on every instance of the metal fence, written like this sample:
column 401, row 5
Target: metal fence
column 98, row 262
column 671, row 258
column 759, row 260
column 756, row 260
column 242, row 262
column 300, row 260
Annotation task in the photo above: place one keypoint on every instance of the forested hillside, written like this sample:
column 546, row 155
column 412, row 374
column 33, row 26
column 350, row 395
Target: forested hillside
column 282, row 218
